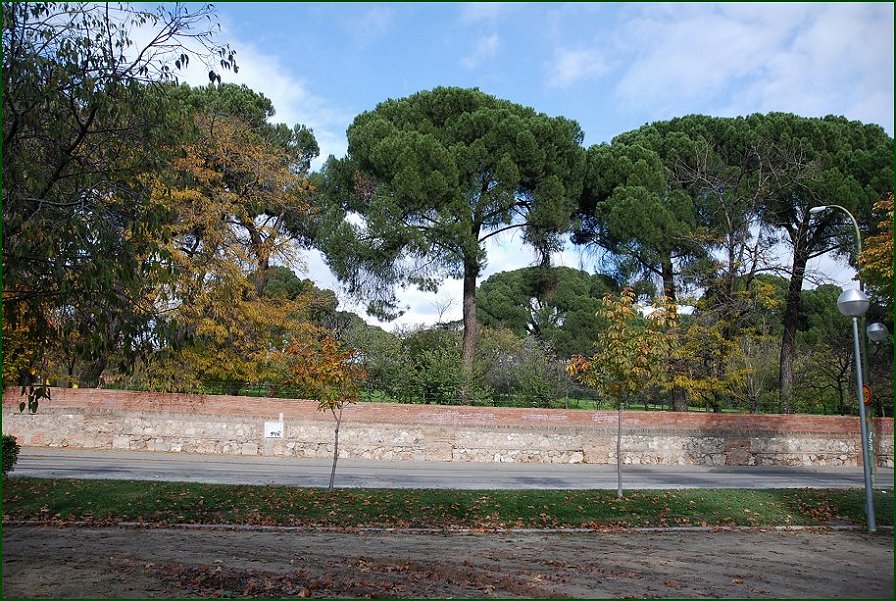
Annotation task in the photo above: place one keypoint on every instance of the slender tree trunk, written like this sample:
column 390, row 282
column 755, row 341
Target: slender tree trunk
column 791, row 321
column 471, row 325
column 619, row 451
column 338, row 418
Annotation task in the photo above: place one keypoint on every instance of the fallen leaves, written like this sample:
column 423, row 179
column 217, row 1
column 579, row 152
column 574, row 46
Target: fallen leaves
column 70, row 502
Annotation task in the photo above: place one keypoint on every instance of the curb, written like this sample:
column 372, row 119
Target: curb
column 449, row 531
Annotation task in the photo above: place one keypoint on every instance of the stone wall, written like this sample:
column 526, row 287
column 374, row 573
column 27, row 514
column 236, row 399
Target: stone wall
column 203, row 424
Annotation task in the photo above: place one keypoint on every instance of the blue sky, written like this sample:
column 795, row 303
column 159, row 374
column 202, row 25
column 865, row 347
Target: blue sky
column 610, row 66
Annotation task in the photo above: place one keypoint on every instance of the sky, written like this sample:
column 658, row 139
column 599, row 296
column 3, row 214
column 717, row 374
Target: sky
column 612, row 67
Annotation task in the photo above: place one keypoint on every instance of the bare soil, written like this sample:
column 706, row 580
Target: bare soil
column 127, row 562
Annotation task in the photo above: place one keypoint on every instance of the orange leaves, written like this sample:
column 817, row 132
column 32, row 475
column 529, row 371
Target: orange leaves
column 578, row 365
column 327, row 371
column 228, row 197
column 877, row 257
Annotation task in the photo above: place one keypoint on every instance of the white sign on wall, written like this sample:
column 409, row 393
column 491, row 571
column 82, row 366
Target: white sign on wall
column 274, row 429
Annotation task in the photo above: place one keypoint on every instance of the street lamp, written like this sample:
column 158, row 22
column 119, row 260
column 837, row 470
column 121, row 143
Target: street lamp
column 853, row 303
column 855, row 224
column 877, row 332
column 864, row 346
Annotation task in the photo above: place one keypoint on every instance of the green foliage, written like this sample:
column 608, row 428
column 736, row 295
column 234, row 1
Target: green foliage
column 632, row 206
column 35, row 394
column 107, row 502
column 522, row 372
column 630, row 354
column 757, row 362
column 10, row 453
column 814, row 161
column 386, row 360
column 541, row 376
column 432, row 176
column 557, row 305
column 681, row 201
column 877, row 256
column 81, row 131
column 438, row 372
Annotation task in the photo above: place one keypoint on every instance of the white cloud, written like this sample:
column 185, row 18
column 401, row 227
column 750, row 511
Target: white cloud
column 485, row 49
column 731, row 59
column 292, row 100
column 835, row 64
column 569, row 67
column 684, row 58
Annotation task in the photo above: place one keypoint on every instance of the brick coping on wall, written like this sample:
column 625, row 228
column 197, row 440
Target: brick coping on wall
column 270, row 408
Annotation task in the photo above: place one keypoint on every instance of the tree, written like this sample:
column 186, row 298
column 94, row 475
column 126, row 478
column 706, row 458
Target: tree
column 557, row 305
column 825, row 377
column 742, row 186
column 700, row 363
column 428, row 179
column 257, row 171
column 817, row 162
column 229, row 196
column 385, row 358
column 719, row 162
column 629, row 355
column 877, row 256
column 329, row 373
column 81, row 130
column 631, row 208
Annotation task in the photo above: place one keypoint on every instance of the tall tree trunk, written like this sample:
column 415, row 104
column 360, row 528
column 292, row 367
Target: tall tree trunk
column 669, row 280
column 90, row 374
column 679, row 399
column 471, row 325
column 261, row 274
column 791, row 321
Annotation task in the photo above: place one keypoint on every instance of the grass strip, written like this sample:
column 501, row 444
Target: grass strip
column 110, row 501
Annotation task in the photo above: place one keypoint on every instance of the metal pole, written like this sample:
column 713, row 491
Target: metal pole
column 869, row 437
column 866, row 454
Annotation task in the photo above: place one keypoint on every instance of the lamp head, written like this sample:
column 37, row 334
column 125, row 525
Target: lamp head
column 853, row 303
column 817, row 210
column 877, row 331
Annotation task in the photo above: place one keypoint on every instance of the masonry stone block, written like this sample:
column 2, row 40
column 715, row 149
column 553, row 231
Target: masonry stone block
column 230, row 425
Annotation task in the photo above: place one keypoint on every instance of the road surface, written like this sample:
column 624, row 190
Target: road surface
column 131, row 465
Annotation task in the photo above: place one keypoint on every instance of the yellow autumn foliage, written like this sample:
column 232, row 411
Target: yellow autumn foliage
column 877, row 256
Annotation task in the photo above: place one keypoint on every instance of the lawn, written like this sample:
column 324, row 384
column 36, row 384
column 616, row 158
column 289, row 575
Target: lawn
column 111, row 501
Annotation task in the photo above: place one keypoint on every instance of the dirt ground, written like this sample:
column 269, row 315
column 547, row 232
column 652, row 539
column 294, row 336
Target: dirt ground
column 123, row 562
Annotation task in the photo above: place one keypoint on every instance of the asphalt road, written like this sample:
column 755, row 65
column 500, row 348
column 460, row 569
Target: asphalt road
column 131, row 465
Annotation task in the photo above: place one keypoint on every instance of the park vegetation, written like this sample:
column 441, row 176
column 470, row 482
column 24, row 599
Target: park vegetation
column 153, row 232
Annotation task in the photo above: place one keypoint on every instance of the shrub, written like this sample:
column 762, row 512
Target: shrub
column 10, row 453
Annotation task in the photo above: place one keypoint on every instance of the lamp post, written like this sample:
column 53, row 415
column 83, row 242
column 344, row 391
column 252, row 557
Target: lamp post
column 853, row 303
column 864, row 347
column 877, row 332
column 855, row 225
